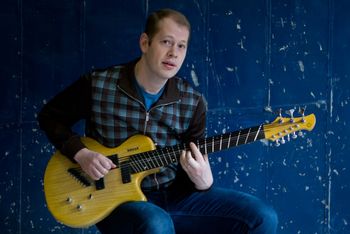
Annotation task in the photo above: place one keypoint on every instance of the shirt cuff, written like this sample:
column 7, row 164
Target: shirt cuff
column 72, row 146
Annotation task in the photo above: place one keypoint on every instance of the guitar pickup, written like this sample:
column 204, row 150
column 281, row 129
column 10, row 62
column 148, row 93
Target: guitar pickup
column 100, row 184
column 125, row 172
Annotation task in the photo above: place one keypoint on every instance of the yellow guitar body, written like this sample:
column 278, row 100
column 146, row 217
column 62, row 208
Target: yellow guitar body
column 77, row 205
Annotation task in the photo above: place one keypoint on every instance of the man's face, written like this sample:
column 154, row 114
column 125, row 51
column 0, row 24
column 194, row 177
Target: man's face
column 166, row 51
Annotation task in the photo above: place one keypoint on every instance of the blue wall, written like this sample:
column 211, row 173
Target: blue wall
column 247, row 57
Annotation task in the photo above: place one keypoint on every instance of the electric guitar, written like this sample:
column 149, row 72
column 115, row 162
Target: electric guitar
column 76, row 200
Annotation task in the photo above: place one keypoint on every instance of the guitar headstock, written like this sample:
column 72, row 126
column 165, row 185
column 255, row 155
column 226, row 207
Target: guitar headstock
column 281, row 127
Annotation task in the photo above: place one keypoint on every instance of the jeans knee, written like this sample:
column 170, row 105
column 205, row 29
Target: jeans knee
column 158, row 222
column 269, row 219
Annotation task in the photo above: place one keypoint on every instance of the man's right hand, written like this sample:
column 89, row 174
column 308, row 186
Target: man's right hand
column 94, row 164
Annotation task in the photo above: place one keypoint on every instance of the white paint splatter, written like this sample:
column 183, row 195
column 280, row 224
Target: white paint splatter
column 282, row 22
column 241, row 45
column 283, row 48
column 345, row 222
column 194, row 77
column 238, row 26
column 293, row 25
column 301, row 66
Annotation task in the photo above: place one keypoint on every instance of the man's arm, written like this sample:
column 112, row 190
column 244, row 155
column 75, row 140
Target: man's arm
column 59, row 115
column 57, row 118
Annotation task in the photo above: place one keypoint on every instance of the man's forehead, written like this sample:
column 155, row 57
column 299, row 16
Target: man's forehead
column 167, row 27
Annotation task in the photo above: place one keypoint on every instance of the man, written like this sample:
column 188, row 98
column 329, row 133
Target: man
column 145, row 97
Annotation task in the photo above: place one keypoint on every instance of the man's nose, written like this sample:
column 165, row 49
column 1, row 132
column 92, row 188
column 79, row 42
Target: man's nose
column 172, row 52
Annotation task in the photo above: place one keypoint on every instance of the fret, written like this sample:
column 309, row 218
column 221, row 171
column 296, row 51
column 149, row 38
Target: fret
column 151, row 158
column 239, row 133
column 245, row 142
column 229, row 141
column 175, row 159
column 157, row 158
column 167, row 155
column 213, row 145
column 143, row 162
column 220, row 143
column 161, row 160
column 136, row 161
column 148, row 160
column 133, row 165
column 257, row 133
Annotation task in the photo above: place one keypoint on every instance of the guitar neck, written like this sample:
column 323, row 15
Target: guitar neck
column 170, row 154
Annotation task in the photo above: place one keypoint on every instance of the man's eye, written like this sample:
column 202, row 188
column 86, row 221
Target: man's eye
column 182, row 46
column 166, row 42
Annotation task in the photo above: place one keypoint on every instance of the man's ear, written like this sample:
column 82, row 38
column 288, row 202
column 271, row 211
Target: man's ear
column 144, row 42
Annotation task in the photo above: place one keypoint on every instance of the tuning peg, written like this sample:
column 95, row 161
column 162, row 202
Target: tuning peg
column 279, row 112
column 283, row 141
column 302, row 112
column 277, row 143
column 300, row 133
column 291, row 113
column 294, row 136
column 288, row 137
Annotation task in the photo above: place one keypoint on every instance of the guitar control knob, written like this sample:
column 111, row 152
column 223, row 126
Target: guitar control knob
column 69, row 200
column 79, row 207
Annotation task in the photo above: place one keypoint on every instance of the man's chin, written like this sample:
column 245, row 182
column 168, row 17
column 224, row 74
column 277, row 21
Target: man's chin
column 169, row 74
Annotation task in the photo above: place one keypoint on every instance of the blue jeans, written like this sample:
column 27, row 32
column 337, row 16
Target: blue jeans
column 214, row 211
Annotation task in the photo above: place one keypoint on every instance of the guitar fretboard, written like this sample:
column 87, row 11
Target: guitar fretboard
column 170, row 154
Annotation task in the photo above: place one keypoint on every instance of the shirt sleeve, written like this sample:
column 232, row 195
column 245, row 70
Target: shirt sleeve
column 59, row 115
column 196, row 129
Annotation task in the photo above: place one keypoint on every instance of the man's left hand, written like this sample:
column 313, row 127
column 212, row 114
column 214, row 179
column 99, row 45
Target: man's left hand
column 197, row 167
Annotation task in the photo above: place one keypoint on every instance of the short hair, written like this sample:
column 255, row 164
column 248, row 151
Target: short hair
column 153, row 20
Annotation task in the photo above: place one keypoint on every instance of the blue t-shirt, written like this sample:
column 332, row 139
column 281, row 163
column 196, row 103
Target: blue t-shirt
column 148, row 98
